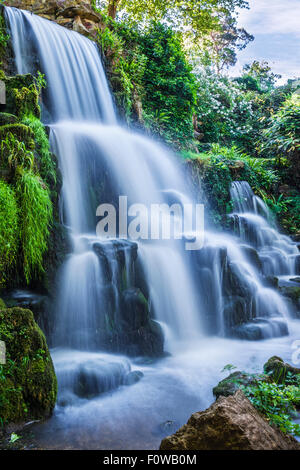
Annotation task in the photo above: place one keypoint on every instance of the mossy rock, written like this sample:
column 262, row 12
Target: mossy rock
column 233, row 383
column 28, row 386
column 21, row 132
column 2, row 304
column 7, row 118
column 21, row 95
column 280, row 371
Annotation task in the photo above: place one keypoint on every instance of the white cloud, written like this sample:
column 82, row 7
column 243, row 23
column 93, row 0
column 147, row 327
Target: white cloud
column 272, row 16
column 276, row 27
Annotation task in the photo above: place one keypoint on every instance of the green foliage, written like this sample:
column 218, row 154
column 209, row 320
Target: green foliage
column 8, row 231
column 126, row 66
column 258, row 77
column 200, row 16
column 15, row 153
column 35, row 217
column 277, row 403
column 151, row 79
column 285, row 208
column 223, row 110
column 283, row 134
column 46, row 164
column 4, row 37
column 169, row 87
column 210, row 173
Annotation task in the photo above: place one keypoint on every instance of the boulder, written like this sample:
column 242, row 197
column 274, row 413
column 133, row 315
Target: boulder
column 231, row 423
column 280, row 371
column 233, row 382
column 29, row 388
column 133, row 377
column 78, row 15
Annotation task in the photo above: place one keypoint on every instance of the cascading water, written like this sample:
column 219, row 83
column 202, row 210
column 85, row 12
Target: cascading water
column 254, row 224
column 103, row 283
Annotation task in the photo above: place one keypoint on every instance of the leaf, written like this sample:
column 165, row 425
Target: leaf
column 14, row 437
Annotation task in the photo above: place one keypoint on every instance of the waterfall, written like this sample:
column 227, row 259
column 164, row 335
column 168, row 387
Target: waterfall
column 254, row 224
column 103, row 283
column 85, row 136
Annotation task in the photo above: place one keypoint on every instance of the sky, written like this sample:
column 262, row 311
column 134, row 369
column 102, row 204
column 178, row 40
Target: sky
column 276, row 27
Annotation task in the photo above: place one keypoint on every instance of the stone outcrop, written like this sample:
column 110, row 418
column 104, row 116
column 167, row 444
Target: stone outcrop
column 74, row 14
column 280, row 371
column 231, row 384
column 28, row 385
column 231, row 423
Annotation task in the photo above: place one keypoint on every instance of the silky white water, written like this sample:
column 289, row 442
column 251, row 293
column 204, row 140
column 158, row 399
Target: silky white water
column 187, row 292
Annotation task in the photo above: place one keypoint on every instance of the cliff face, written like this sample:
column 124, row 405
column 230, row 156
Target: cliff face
column 73, row 14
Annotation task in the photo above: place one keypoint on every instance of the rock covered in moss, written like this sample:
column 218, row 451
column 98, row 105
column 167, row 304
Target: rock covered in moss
column 28, row 385
column 7, row 118
column 231, row 384
column 231, row 423
column 21, row 95
column 2, row 304
column 280, row 371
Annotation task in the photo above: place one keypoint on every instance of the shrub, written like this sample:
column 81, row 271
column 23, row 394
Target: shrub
column 47, row 167
column 8, row 231
column 35, row 218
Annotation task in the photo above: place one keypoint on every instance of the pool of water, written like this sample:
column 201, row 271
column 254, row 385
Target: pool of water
column 139, row 416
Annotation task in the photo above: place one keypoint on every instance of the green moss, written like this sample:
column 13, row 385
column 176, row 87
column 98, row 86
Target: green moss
column 8, row 231
column 47, row 165
column 28, row 385
column 22, row 95
column 7, row 118
column 36, row 216
column 211, row 178
column 2, row 304
column 21, row 132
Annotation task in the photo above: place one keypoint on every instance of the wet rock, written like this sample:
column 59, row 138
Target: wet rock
column 272, row 281
column 133, row 377
column 236, row 311
column 233, row 382
column 231, row 423
column 280, row 371
column 260, row 328
column 292, row 292
column 252, row 256
column 91, row 380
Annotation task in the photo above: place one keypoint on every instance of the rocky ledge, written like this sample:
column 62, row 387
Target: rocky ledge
column 74, row 14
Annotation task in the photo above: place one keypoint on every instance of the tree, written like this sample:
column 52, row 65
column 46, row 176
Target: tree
column 282, row 137
column 258, row 77
column 223, row 43
column 199, row 16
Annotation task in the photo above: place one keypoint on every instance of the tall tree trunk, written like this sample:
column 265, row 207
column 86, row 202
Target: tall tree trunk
column 112, row 8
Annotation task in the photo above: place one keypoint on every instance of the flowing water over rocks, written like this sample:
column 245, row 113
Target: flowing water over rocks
column 140, row 299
